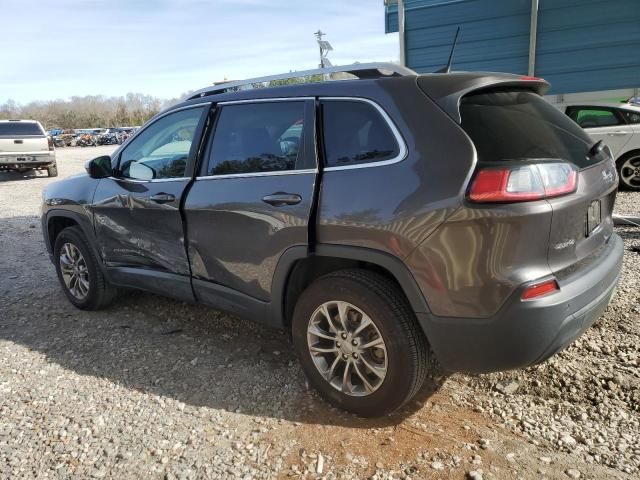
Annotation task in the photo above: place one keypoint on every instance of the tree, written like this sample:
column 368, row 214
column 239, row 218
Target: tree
column 86, row 112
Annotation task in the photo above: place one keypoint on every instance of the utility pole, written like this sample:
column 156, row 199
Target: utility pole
column 401, row 34
column 325, row 47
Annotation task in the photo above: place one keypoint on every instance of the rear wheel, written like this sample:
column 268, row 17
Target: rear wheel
column 359, row 342
column 52, row 170
column 79, row 273
column 629, row 171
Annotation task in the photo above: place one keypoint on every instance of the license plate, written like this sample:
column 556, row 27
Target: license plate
column 594, row 217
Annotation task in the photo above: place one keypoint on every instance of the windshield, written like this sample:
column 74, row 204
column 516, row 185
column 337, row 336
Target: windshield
column 508, row 125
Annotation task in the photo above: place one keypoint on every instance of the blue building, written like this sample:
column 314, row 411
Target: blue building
column 577, row 45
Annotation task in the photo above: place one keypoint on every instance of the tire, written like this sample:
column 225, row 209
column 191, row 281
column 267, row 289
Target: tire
column 629, row 161
column 406, row 351
column 52, row 171
column 99, row 292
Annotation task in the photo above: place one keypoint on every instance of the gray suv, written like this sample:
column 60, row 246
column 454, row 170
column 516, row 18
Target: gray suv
column 383, row 221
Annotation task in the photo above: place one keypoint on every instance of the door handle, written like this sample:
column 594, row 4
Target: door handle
column 162, row 198
column 281, row 199
column 614, row 134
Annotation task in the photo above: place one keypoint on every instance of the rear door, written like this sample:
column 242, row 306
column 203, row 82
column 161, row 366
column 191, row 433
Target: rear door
column 603, row 123
column 253, row 197
column 137, row 212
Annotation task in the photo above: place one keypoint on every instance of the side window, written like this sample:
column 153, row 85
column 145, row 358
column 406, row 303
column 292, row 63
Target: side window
column 355, row 132
column 631, row 117
column 592, row 117
column 257, row 137
column 162, row 149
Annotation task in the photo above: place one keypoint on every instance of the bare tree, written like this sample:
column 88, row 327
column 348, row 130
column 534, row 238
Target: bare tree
column 86, row 112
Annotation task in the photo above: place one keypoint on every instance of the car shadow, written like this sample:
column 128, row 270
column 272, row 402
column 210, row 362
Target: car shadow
column 189, row 353
column 11, row 175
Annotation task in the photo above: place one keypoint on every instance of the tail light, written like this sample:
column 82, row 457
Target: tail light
column 540, row 289
column 51, row 147
column 523, row 183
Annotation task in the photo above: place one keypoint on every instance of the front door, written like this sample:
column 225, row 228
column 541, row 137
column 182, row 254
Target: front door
column 137, row 211
column 252, row 199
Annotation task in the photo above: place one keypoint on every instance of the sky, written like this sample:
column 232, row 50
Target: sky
column 58, row 48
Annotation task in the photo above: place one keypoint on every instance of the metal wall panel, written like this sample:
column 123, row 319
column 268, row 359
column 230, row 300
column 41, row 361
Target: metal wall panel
column 589, row 45
column 494, row 34
column 583, row 45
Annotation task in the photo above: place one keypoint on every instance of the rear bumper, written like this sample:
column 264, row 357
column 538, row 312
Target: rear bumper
column 529, row 332
column 26, row 159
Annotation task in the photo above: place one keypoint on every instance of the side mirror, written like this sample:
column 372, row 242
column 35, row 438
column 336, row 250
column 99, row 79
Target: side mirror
column 99, row 167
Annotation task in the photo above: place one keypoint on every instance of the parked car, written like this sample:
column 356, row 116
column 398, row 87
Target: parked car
column 86, row 140
column 25, row 146
column 109, row 137
column 68, row 138
column 618, row 126
column 383, row 221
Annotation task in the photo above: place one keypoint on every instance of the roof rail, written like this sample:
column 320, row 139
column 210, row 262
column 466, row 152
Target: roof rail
column 359, row 70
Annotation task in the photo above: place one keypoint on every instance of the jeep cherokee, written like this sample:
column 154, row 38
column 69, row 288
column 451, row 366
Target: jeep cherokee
column 380, row 220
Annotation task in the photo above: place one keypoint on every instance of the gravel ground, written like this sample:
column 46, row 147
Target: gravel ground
column 153, row 388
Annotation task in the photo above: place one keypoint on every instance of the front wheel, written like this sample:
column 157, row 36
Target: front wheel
column 359, row 342
column 79, row 273
column 629, row 171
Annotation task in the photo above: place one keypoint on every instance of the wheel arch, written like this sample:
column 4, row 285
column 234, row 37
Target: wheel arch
column 297, row 268
column 627, row 153
column 57, row 220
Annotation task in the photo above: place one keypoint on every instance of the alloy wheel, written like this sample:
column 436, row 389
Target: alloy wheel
column 75, row 272
column 347, row 348
column 630, row 172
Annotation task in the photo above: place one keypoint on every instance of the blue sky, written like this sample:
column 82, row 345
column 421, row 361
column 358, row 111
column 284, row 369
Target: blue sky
column 58, row 48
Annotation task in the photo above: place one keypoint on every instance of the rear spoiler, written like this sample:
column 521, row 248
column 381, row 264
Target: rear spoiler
column 447, row 89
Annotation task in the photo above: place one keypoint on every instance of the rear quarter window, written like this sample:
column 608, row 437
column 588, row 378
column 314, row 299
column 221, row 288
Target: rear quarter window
column 16, row 129
column 355, row 133
column 631, row 117
column 518, row 125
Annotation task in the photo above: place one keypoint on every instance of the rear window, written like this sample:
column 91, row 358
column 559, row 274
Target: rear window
column 519, row 125
column 13, row 129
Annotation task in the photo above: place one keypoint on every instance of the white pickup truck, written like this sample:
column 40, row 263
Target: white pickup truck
column 25, row 146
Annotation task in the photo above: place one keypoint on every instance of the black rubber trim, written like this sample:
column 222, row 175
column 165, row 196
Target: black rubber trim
column 162, row 283
column 279, row 284
column 234, row 302
column 385, row 260
column 83, row 223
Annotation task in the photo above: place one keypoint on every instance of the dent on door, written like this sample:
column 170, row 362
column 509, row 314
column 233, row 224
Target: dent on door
column 134, row 230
